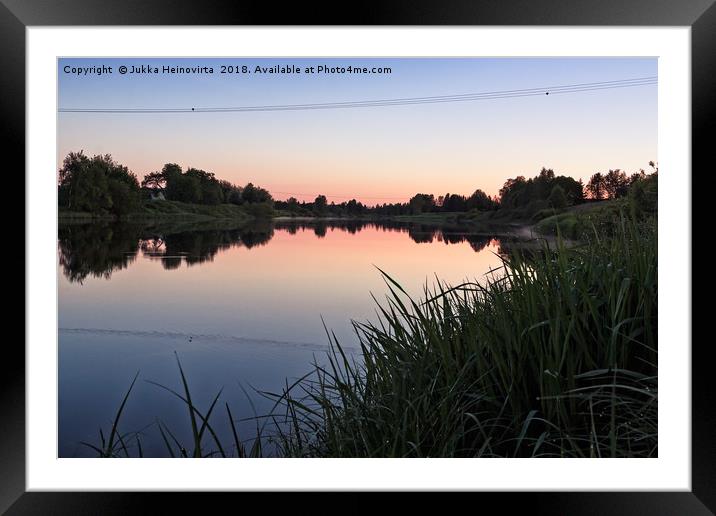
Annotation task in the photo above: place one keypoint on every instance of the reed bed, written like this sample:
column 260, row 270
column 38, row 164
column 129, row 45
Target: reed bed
column 553, row 355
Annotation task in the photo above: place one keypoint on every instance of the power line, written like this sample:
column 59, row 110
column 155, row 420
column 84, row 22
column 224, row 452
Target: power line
column 459, row 97
column 465, row 97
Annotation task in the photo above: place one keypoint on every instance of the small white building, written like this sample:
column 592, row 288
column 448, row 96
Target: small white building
column 157, row 195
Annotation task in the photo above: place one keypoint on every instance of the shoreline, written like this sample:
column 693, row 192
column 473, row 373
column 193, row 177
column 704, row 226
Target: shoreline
column 514, row 229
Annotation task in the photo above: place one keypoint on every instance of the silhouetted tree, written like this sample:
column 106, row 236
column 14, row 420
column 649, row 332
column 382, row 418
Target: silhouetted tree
column 511, row 192
column 154, row 181
column 546, row 174
column 320, row 205
column 421, row 203
column 454, row 202
column 184, row 188
column 616, row 184
column 353, row 207
column 210, row 190
column 532, row 195
column 479, row 200
column 97, row 185
column 254, row 194
column 596, row 187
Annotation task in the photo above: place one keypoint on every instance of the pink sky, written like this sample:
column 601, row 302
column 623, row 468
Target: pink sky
column 379, row 154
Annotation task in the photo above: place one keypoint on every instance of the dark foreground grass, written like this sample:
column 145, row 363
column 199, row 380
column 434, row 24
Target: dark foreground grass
column 555, row 355
column 552, row 355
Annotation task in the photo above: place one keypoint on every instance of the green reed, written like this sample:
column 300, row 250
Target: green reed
column 554, row 354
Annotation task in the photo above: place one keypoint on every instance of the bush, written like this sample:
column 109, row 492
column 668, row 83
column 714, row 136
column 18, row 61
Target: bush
column 557, row 198
column 643, row 196
column 260, row 210
column 125, row 200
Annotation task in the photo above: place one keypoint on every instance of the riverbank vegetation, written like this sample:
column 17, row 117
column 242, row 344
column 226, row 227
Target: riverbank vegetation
column 638, row 200
column 554, row 357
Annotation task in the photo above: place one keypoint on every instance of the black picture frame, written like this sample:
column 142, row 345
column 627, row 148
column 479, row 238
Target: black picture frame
column 700, row 15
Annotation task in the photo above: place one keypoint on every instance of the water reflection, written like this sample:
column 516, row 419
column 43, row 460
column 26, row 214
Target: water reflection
column 197, row 246
column 247, row 304
column 96, row 249
column 99, row 249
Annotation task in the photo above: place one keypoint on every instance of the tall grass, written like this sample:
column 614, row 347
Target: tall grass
column 551, row 355
column 115, row 444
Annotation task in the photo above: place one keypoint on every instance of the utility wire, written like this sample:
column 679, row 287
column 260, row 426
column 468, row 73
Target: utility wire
column 466, row 97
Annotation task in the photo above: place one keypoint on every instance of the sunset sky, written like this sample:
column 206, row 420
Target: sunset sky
column 375, row 154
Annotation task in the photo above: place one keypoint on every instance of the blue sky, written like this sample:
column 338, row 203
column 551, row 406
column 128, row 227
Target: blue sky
column 377, row 154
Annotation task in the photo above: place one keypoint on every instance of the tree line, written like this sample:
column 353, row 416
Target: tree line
column 419, row 203
column 197, row 186
column 100, row 185
column 615, row 183
column 545, row 192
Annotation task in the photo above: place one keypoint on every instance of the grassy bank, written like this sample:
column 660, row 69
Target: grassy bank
column 554, row 356
column 574, row 223
column 161, row 210
column 502, row 220
column 578, row 221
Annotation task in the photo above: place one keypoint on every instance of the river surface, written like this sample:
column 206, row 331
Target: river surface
column 243, row 308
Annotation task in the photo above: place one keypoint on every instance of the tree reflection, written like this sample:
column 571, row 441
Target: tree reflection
column 98, row 249
column 197, row 246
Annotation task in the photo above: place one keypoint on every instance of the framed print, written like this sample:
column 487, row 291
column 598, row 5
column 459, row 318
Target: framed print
column 418, row 253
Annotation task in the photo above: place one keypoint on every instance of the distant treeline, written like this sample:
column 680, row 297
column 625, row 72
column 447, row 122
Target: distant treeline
column 528, row 198
column 99, row 185
column 419, row 203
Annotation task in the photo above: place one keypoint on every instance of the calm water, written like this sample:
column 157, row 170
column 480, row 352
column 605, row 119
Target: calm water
column 240, row 306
